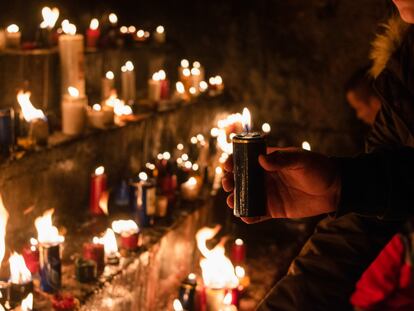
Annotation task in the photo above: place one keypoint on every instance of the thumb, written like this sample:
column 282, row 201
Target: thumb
column 278, row 160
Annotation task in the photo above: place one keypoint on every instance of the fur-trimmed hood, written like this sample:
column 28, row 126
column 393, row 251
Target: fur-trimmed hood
column 385, row 44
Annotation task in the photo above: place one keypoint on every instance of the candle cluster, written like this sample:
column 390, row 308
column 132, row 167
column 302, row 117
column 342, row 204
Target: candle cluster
column 223, row 280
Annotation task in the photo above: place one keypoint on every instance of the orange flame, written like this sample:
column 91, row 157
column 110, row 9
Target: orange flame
column 4, row 216
column 19, row 273
column 46, row 232
column 30, row 113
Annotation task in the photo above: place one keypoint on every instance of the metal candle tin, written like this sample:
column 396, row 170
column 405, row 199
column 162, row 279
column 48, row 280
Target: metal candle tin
column 249, row 190
column 50, row 267
column 143, row 199
column 6, row 132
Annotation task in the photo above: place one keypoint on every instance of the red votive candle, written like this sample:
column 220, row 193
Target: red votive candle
column 98, row 187
column 201, row 298
column 129, row 241
column 235, row 296
column 238, row 252
column 30, row 254
column 92, row 34
column 165, row 89
column 95, row 252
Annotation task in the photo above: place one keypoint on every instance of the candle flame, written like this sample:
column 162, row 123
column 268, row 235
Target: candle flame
column 195, row 71
column 46, row 232
column 192, row 181
column 180, row 87
column 217, row 269
column 125, row 227
column 193, row 90
column 185, row 63
column 13, row 28
column 306, row 146
column 123, row 29
column 129, row 66
column 203, row 86
column 73, row 91
column 177, row 305
column 156, row 76
column 227, row 299
column 196, row 64
column 132, row 29
column 140, row 33
column 30, row 113
column 246, row 120
column 19, row 273
column 50, row 17
column 97, row 107
column 266, row 128
column 4, row 216
column 68, row 28
column 109, row 75
column 162, row 75
column 113, row 19
column 27, row 303
column 240, row 272
column 187, row 72
column 100, row 170
column 160, row 29
column 109, row 242
column 143, row 176
column 94, row 24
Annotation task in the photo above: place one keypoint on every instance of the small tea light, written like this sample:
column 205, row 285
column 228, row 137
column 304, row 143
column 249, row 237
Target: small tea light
column 13, row 36
column 306, row 146
column 129, row 232
column 113, row 19
column 190, row 188
column 159, row 34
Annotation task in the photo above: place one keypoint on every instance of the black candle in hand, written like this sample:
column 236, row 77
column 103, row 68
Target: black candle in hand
column 250, row 191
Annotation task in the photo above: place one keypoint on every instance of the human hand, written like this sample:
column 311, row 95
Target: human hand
column 299, row 184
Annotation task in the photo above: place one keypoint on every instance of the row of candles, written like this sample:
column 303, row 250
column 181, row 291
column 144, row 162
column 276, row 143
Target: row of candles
column 111, row 35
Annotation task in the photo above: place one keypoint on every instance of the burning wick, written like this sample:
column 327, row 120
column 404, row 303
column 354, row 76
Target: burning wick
column 306, row 146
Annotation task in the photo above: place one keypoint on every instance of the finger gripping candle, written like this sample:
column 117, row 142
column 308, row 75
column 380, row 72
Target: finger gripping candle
column 249, row 190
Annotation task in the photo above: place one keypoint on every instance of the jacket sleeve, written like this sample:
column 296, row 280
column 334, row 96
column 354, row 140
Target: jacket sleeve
column 379, row 184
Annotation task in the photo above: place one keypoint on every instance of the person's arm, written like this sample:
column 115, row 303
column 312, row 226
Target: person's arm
column 378, row 184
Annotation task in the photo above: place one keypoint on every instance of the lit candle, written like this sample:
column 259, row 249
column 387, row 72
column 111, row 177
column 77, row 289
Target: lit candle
column 13, row 37
column 144, row 199
column 98, row 187
column 27, row 303
column 97, row 117
column 95, row 251
column 159, row 34
column 108, row 85
column 165, row 85
column 250, row 191
column 190, row 189
column 306, row 146
column 38, row 130
column 140, row 36
column 227, row 304
column 154, row 88
column 20, row 279
column 128, row 82
column 92, row 34
column 71, row 53
column 6, row 132
column 129, row 232
column 238, row 252
column 110, row 247
column 73, row 112
column 113, row 19
column 266, row 128
column 50, row 17
column 50, row 242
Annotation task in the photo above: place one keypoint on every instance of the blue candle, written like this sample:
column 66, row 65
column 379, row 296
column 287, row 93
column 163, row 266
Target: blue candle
column 6, row 132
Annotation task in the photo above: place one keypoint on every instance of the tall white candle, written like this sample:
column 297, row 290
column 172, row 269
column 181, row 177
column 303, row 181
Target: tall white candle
column 154, row 87
column 73, row 112
column 159, row 34
column 128, row 82
column 71, row 52
column 13, row 37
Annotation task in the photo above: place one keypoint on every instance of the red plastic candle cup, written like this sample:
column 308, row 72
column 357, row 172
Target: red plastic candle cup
column 31, row 258
column 129, row 241
column 165, row 89
column 235, row 296
column 201, row 298
column 95, row 252
column 92, row 34
column 238, row 252
column 98, row 187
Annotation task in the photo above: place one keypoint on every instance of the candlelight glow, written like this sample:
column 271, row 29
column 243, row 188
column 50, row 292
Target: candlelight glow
column 184, row 156
column 217, row 269
column 73, row 91
column 143, row 176
column 156, row 76
column 160, row 29
column 162, row 75
column 68, row 28
column 194, row 140
column 187, row 72
column 214, row 132
column 4, row 217
column 195, row 71
column 19, row 273
column 239, row 242
column 219, row 170
column 27, row 303
column 177, row 305
column 150, row 166
column 109, row 75
column 306, row 146
column 120, row 109
column 94, row 24
column 13, row 28
column 125, row 227
column 166, row 155
column 227, row 299
column 200, row 137
column 123, row 29
column 132, row 29
column 195, row 167
column 188, row 165
column 50, row 17
column 193, row 90
column 185, row 63
column 218, row 80
column 46, row 232
column 99, row 170
column 222, row 142
column 196, row 64
column 180, row 87
column 109, row 242
column 97, row 107
column 246, row 120
column 180, row 147
column 129, row 66
column 192, row 181
column 140, row 33
column 266, row 128
column 240, row 272
column 113, row 19
column 203, row 86
column 30, row 113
